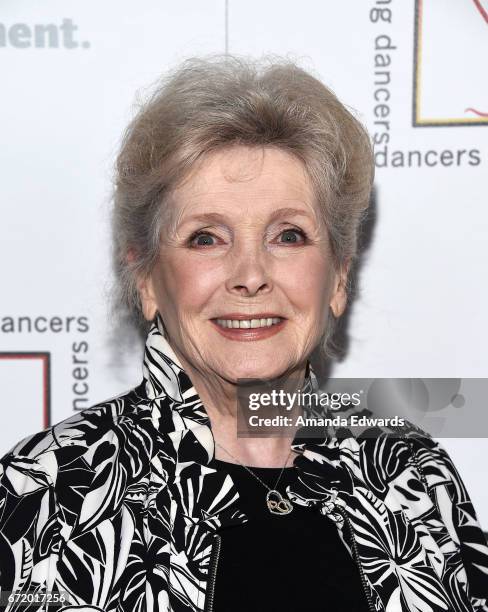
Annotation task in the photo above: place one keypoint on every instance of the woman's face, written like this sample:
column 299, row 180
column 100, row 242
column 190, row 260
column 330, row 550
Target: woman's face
column 247, row 242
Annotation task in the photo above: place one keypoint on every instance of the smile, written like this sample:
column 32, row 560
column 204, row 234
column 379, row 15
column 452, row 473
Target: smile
column 248, row 323
column 235, row 327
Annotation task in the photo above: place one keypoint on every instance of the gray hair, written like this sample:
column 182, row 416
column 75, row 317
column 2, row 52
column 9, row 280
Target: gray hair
column 213, row 102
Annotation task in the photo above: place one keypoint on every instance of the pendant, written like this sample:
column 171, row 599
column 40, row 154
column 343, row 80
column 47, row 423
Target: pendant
column 277, row 504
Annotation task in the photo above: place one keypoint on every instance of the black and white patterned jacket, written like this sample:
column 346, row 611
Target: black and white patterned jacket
column 119, row 506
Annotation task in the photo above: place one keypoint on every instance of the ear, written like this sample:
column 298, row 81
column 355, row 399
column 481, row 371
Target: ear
column 149, row 306
column 338, row 299
column 145, row 288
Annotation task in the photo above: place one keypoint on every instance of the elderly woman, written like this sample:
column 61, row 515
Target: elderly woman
column 240, row 191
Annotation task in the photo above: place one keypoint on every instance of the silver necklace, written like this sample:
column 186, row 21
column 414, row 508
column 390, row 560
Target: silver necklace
column 275, row 502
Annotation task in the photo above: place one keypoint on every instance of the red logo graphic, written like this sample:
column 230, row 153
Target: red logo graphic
column 481, row 9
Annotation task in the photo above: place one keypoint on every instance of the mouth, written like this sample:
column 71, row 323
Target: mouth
column 261, row 325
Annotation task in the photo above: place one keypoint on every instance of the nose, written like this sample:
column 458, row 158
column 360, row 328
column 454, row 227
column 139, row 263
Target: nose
column 249, row 271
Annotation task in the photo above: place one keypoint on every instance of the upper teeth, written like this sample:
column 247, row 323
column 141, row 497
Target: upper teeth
column 248, row 323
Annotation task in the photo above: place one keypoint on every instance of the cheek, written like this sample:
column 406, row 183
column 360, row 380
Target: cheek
column 306, row 280
column 189, row 285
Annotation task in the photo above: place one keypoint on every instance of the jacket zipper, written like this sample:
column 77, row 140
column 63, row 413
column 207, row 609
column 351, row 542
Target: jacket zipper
column 356, row 557
column 212, row 573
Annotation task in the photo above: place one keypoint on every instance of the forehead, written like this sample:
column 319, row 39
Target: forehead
column 246, row 180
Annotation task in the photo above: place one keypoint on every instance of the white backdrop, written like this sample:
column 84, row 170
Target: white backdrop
column 70, row 73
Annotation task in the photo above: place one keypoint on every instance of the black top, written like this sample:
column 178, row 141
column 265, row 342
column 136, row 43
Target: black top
column 287, row 563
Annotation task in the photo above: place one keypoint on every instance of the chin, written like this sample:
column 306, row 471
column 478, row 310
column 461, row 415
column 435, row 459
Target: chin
column 266, row 369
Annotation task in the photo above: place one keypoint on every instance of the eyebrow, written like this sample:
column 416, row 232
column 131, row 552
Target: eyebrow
column 219, row 218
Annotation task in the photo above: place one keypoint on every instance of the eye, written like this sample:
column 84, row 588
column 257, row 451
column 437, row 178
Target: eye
column 290, row 236
column 201, row 239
